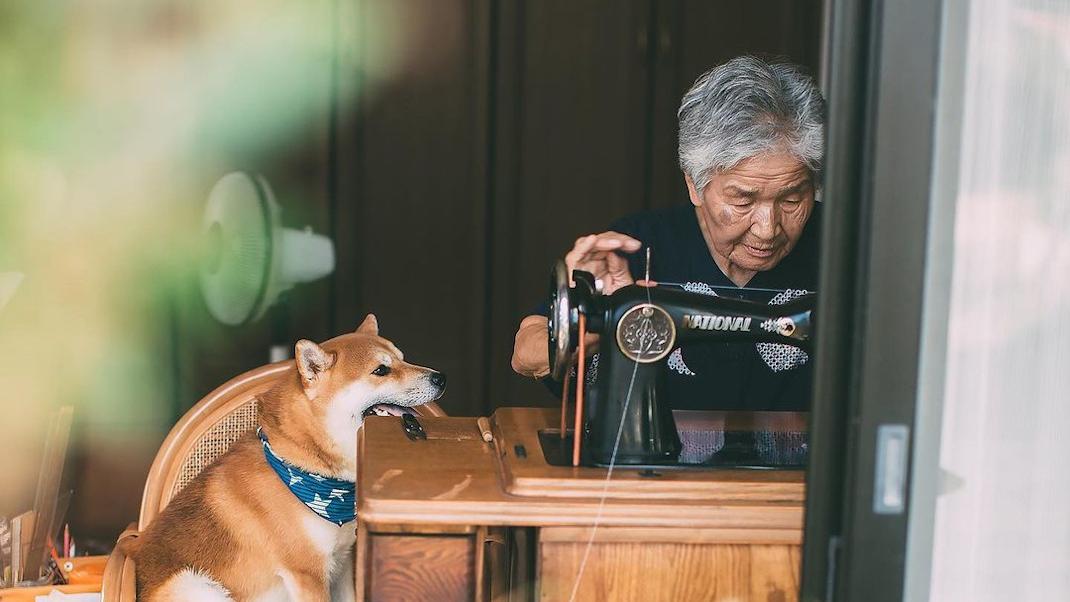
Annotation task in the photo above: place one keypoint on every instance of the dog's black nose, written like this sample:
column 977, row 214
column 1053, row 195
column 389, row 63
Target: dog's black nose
column 438, row 379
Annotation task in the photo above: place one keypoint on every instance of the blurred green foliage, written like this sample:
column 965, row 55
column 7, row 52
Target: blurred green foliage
column 116, row 117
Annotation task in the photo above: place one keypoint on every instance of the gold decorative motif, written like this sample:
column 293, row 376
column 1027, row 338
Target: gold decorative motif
column 646, row 333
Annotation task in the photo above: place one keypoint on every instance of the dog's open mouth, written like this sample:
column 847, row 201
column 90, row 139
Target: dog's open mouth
column 387, row 409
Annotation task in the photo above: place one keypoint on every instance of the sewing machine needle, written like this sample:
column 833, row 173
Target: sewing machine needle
column 648, row 265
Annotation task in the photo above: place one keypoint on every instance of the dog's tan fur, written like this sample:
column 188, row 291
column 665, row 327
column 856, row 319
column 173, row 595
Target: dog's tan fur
column 236, row 532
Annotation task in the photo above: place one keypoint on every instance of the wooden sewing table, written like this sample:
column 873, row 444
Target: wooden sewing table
column 454, row 517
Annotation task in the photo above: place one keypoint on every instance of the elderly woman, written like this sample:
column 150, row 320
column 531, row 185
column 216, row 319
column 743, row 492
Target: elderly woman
column 751, row 145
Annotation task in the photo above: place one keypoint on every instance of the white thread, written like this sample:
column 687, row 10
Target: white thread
column 609, row 476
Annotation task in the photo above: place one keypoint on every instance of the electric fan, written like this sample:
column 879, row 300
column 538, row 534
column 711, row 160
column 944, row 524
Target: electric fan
column 250, row 259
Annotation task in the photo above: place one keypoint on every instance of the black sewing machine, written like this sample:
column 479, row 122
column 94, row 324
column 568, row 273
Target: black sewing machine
column 639, row 327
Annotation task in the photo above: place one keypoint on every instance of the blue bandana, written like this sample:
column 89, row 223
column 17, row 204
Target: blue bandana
column 332, row 499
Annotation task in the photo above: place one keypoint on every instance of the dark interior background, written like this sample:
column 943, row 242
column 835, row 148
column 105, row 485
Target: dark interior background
column 511, row 128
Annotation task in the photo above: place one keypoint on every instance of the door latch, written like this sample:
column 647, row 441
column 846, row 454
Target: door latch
column 890, row 473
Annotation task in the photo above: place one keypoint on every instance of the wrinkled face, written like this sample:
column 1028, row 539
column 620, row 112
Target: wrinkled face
column 754, row 214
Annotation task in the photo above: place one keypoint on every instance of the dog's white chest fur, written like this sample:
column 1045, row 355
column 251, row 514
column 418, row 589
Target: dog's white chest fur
column 328, row 538
column 336, row 544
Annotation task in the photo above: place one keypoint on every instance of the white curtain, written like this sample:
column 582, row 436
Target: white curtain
column 1002, row 522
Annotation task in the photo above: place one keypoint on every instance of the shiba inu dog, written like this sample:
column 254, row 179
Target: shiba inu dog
column 272, row 519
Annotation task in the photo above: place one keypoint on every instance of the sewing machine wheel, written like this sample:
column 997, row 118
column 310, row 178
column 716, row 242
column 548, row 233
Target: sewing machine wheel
column 560, row 324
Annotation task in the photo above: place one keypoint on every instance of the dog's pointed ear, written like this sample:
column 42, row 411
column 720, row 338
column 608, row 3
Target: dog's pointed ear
column 312, row 363
column 369, row 326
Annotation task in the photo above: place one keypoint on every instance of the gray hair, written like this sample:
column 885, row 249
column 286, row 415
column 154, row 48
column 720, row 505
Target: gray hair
column 745, row 107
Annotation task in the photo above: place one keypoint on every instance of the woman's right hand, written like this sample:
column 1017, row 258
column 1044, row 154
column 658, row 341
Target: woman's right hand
column 597, row 254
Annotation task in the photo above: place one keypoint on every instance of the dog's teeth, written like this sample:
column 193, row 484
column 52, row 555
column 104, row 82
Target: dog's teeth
column 383, row 409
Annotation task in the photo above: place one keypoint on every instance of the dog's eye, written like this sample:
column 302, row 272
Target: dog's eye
column 382, row 370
